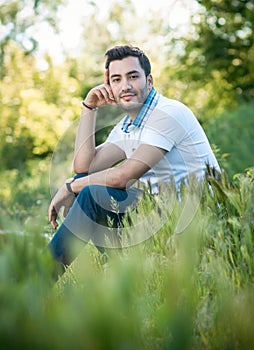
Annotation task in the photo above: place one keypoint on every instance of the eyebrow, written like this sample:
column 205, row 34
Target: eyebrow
column 129, row 73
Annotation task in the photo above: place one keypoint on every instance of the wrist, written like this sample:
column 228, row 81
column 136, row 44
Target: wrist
column 68, row 186
column 79, row 184
column 87, row 106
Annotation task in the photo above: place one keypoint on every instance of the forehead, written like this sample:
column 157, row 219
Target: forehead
column 124, row 66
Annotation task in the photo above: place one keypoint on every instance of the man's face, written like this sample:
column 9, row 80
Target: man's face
column 129, row 84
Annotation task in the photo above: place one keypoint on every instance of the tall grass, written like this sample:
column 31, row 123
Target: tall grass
column 180, row 289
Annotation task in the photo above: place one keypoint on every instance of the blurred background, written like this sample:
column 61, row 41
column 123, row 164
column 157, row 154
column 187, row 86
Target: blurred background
column 52, row 53
column 188, row 291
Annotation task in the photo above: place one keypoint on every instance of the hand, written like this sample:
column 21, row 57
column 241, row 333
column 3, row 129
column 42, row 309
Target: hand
column 101, row 95
column 63, row 198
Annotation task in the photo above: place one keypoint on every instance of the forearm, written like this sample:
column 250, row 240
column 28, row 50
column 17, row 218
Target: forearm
column 113, row 177
column 85, row 151
column 124, row 175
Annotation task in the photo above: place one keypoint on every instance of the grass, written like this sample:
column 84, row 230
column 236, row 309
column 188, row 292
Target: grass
column 189, row 286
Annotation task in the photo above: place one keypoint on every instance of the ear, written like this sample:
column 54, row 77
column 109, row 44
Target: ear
column 149, row 82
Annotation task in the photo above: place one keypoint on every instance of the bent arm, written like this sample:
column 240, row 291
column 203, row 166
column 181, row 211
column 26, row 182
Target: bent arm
column 124, row 175
column 85, row 150
column 106, row 156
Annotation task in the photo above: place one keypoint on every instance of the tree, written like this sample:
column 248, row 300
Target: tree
column 36, row 107
column 234, row 125
column 116, row 26
column 19, row 20
column 219, row 53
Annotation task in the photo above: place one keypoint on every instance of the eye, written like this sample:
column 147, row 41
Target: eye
column 115, row 80
column 133, row 76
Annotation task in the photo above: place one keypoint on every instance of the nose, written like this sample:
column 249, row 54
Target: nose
column 126, row 85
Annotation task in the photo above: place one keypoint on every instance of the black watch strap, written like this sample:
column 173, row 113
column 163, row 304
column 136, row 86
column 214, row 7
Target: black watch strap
column 68, row 183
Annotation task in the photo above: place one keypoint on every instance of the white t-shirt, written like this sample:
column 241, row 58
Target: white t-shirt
column 173, row 127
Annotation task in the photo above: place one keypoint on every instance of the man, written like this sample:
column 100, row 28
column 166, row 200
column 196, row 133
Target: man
column 158, row 140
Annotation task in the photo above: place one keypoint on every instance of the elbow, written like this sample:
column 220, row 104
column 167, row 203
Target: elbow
column 79, row 168
column 82, row 163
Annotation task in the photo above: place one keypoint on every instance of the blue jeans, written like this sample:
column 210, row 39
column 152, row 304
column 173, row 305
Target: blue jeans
column 95, row 209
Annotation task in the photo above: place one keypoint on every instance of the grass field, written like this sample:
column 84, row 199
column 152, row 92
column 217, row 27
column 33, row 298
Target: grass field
column 189, row 286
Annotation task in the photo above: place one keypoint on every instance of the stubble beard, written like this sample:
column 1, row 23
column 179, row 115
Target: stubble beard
column 134, row 107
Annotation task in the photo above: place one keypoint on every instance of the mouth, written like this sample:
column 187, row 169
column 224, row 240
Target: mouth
column 127, row 97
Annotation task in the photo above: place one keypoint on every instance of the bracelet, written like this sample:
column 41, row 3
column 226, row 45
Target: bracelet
column 91, row 108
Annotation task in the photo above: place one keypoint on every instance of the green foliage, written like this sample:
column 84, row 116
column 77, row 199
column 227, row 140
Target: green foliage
column 233, row 133
column 19, row 19
column 190, row 285
column 218, row 55
column 180, row 290
column 36, row 107
column 23, row 194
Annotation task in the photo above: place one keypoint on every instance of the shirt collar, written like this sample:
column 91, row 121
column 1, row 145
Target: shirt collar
column 149, row 105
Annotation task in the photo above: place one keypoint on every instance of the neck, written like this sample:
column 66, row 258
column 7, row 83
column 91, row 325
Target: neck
column 134, row 114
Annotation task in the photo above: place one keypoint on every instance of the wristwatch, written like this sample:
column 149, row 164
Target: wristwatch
column 68, row 185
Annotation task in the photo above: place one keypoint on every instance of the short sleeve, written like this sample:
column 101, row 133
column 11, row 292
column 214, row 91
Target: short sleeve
column 157, row 139
column 163, row 130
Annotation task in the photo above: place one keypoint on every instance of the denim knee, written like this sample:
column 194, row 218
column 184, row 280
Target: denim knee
column 97, row 203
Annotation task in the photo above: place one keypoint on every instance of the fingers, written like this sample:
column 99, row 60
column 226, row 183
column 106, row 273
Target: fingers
column 99, row 96
column 106, row 77
column 107, row 85
column 105, row 93
column 52, row 216
column 102, row 94
column 54, row 224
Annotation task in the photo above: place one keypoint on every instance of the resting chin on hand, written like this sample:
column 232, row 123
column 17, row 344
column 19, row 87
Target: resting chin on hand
column 63, row 198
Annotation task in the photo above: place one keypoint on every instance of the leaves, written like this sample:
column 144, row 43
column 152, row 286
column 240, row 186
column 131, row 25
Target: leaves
column 19, row 20
column 192, row 290
column 221, row 47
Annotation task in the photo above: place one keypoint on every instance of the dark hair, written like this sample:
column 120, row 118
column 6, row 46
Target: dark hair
column 120, row 52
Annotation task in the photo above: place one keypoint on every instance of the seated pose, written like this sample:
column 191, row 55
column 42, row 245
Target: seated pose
column 159, row 140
